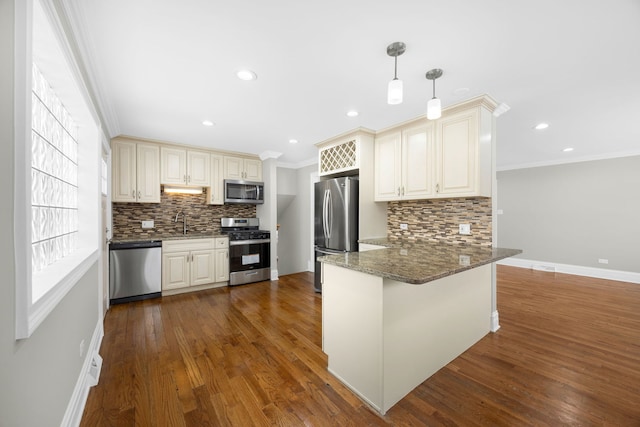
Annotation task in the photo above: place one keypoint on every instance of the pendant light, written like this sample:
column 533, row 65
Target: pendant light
column 434, row 107
column 394, row 91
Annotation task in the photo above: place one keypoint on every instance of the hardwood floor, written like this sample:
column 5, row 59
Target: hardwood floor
column 568, row 353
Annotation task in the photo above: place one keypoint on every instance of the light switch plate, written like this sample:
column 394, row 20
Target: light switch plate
column 404, row 226
column 464, row 229
column 147, row 224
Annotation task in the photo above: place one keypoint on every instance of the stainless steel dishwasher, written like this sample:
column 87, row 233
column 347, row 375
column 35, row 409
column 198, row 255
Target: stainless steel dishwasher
column 135, row 271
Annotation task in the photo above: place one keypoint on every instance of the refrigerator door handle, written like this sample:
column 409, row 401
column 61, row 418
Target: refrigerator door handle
column 324, row 214
column 329, row 214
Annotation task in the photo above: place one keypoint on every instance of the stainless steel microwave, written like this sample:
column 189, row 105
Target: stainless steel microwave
column 243, row 192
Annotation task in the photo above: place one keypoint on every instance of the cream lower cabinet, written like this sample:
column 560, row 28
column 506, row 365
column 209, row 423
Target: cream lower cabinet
column 193, row 263
column 404, row 164
column 222, row 259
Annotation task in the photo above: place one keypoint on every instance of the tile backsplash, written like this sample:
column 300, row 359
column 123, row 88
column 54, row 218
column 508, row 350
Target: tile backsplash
column 201, row 217
column 438, row 220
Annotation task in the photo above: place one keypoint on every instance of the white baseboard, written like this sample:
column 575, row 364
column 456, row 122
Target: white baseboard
column 88, row 377
column 495, row 321
column 600, row 273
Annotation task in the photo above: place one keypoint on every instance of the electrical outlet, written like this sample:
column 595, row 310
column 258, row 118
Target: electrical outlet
column 603, row 261
column 464, row 229
column 147, row 224
column 404, row 226
column 464, row 260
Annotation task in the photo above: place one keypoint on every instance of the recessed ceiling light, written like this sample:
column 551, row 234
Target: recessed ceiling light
column 293, row 141
column 352, row 113
column 541, row 126
column 207, row 123
column 566, row 150
column 246, row 75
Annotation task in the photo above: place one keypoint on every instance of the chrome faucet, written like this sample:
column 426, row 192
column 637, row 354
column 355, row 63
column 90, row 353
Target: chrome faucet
column 184, row 221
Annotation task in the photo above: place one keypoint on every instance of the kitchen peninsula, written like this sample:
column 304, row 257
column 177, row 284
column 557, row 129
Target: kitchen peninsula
column 392, row 317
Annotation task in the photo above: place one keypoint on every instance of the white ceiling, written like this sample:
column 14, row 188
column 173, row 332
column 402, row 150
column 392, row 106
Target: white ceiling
column 161, row 67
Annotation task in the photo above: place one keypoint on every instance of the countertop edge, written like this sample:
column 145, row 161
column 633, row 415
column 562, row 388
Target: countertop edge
column 166, row 238
column 415, row 279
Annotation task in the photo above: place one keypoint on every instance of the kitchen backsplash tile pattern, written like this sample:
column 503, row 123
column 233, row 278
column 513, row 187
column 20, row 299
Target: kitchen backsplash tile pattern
column 438, row 220
column 201, row 217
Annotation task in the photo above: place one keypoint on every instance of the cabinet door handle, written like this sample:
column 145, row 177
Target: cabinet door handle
column 188, row 178
column 133, row 193
column 437, row 188
column 184, row 178
column 139, row 195
column 403, row 190
column 398, row 191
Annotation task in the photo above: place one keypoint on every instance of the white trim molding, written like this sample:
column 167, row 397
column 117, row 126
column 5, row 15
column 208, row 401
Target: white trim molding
column 88, row 377
column 81, row 36
column 578, row 270
column 495, row 321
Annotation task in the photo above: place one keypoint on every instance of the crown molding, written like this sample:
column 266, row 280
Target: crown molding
column 81, row 37
column 605, row 156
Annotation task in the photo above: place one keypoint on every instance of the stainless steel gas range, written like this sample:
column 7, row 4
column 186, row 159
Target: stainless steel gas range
column 249, row 250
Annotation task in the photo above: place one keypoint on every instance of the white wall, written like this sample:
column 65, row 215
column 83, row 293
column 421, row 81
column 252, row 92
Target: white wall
column 573, row 214
column 294, row 241
column 38, row 374
column 267, row 212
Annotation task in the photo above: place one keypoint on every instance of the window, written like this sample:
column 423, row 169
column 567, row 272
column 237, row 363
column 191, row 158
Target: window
column 54, row 176
column 57, row 198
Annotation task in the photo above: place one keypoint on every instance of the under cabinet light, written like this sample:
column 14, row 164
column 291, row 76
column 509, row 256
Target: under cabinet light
column 182, row 190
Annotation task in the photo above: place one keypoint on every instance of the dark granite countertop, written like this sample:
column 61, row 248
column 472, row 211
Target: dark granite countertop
column 164, row 237
column 417, row 262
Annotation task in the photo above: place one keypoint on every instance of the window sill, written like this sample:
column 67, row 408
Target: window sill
column 50, row 286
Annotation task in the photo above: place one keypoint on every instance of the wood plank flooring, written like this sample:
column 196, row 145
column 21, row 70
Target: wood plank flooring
column 567, row 353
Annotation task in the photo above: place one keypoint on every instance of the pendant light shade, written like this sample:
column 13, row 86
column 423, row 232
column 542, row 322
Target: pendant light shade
column 394, row 90
column 434, row 109
column 434, row 106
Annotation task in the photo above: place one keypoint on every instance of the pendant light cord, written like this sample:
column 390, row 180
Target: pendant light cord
column 395, row 69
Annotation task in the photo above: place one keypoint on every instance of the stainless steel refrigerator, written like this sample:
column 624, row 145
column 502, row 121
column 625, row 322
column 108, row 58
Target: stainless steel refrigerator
column 336, row 219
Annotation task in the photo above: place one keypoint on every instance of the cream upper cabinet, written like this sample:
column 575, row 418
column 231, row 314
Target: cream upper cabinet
column 185, row 167
column 449, row 157
column 216, row 196
column 199, row 168
column 339, row 155
column 388, row 167
column 404, row 164
column 242, row 168
column 417, row 156
column 136, row 172
column 464, row 159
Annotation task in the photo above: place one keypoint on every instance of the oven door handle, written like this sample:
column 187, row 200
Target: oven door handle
column 248, row 242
